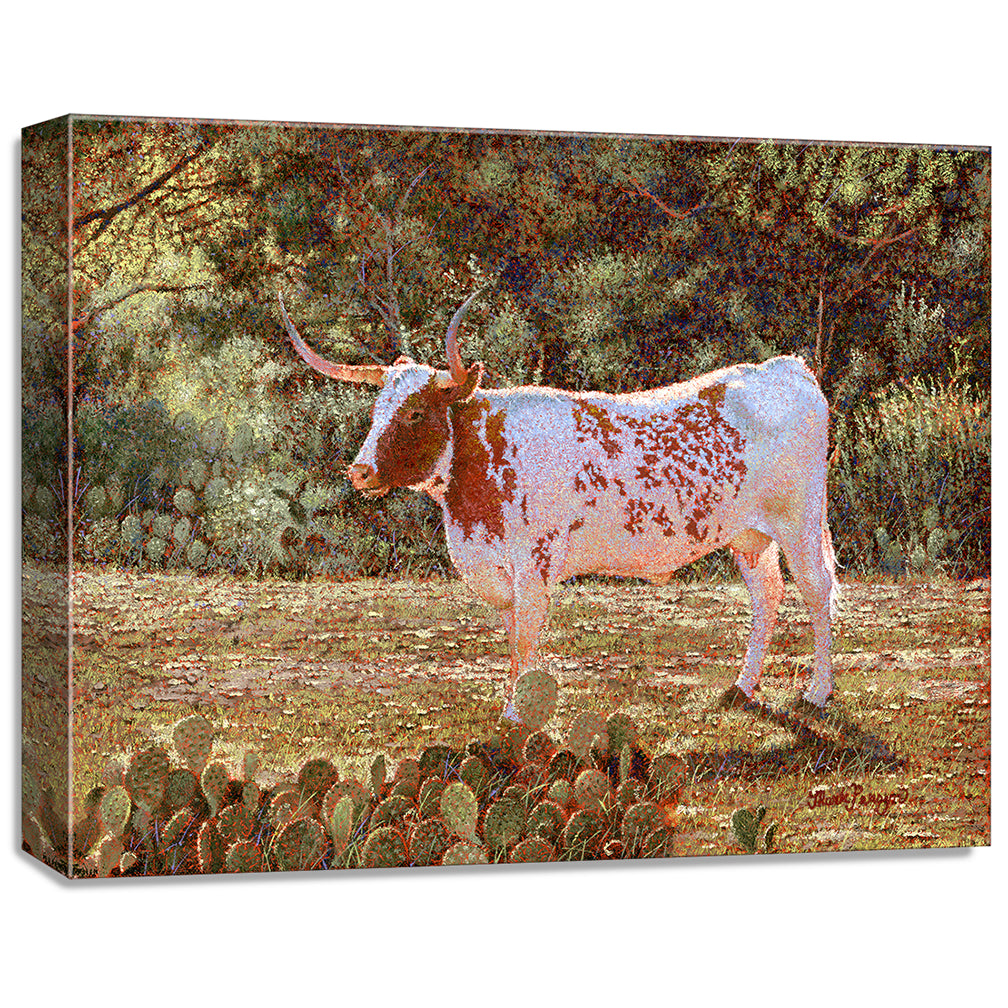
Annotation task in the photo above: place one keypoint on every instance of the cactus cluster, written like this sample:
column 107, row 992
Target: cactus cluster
column 519, row 796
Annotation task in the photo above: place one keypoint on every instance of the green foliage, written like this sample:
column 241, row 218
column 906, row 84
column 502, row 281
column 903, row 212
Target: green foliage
column 911, row 490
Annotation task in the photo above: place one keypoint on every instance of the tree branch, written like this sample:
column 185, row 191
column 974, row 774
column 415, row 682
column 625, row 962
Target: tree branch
column 140, row 288
column 678, row 215
column 107, row 215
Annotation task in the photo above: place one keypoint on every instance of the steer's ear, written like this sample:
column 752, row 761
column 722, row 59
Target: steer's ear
column 459, row 393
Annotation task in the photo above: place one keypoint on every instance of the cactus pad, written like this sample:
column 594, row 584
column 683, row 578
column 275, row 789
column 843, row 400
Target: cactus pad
column 428, row 841
column 504, row 823
column 532, row 850
column 638, row 821
column 243, row 857
column 181, row 788
column 115, row 810
column 236, row 822
column 463, row 853
column 538, row 748
column 590, row 788
column 547, row 820
column 459, row 810
column 384, row 848
column 209, row 849
column 429, row 800
column 315, row 779
column 621, row 731
column 300, row 845
column 214, row 780
column 583, row 730
column 584, row 835
column 436, row 760
column 146, row 777
column 340, row 821
column 535, row 698
column 475, row 774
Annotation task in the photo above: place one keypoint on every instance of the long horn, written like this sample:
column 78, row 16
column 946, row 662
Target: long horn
column 373, row 374
column 458, row 372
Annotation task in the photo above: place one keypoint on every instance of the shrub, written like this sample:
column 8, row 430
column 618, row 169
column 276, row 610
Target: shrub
column 911, row 490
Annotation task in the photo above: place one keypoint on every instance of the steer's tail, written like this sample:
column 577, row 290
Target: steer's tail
column 830, row 562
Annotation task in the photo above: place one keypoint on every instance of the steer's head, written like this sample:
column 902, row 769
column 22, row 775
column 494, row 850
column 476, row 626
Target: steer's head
column 410, row 428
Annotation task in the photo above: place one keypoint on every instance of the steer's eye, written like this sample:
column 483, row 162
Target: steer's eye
column 414, row 416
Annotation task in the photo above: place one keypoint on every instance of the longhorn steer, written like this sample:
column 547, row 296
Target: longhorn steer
column 538, row 485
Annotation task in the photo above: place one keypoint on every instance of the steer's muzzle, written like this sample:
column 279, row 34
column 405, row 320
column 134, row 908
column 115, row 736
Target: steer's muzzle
column 365, row 479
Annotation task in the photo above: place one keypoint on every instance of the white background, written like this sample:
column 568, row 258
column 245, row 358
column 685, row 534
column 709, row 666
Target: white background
column 870, row 928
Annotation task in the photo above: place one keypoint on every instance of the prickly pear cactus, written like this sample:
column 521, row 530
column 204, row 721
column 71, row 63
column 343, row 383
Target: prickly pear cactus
column 464, row 853
column 377, row 776
column 243, row 856
column 236, row 822
column 109, row 854
column 181, row 788
column 504, row 823
column 284, row 807
column 638, row 821
column 384, row 848
column 546, row 820
column 538, row 748
column 209, row 849
column 173, row 830
column 300, row 845
column 583, row 730
column 340, row 821
column 315, row 778
column 214, row 781
column 346, row 788
column 590, row 788
column 429, row 800
column 745, row 827
column 532, row 849
column 621, row 731
column 583, row 835
column 459, row 810
column 407, row 777
column 436, row 760
column 147, row 776
column 563, row 766
column 475, row 774
column 428, row 841
column 561, row 792
column 115, row 810
column 535, row 697
column 250, row 765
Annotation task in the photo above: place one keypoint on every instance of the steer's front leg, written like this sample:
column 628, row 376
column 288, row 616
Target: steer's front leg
column 524, row 623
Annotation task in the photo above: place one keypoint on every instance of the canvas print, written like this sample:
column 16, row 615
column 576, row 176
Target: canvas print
column 400, row 497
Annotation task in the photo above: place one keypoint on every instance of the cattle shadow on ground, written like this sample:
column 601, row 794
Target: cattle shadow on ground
column 853, row 751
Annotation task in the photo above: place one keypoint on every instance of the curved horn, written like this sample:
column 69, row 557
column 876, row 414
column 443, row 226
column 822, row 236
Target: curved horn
column 373, row 374
column 458, row 372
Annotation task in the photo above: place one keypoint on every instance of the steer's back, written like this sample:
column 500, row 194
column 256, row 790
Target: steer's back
column 642, row 483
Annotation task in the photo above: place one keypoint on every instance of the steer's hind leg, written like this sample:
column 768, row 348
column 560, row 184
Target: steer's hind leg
column 766, row 589
column 810, row 559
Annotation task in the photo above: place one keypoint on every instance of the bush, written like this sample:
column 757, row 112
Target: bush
column 911, row 490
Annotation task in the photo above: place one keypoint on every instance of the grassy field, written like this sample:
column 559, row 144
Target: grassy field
column 347, row 670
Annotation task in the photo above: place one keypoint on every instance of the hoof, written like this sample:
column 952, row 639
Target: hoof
column 733, row 699
column 510, row 713
column 805, row 708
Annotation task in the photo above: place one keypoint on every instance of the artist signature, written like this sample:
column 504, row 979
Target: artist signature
column 854, row 797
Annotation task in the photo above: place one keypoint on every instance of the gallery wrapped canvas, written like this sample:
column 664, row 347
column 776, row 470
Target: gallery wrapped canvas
column 410, row 497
